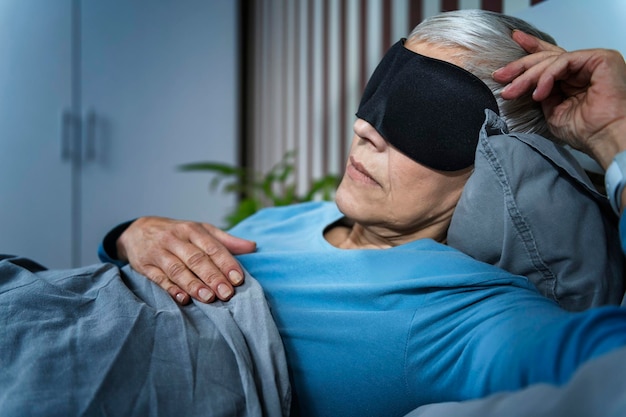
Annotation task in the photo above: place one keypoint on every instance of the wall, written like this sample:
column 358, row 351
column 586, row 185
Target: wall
column 147, row 85
column 579, row 24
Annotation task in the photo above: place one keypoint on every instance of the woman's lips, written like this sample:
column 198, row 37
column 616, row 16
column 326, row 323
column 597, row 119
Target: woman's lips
column 357, row 172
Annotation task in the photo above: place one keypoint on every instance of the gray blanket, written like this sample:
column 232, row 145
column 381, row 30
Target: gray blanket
column 100, row 341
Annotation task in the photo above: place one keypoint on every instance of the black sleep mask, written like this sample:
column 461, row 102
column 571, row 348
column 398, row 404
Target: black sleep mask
column 430, row 110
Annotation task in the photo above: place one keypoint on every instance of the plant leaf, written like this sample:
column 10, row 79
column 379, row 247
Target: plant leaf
column 257, row 190
column 325, row 185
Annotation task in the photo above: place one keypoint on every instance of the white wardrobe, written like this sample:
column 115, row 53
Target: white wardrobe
column 100, row 101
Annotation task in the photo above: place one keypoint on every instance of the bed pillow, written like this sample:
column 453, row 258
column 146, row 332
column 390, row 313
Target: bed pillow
column 530, row 209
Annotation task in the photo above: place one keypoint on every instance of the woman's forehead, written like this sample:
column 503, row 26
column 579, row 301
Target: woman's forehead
column 432, row 50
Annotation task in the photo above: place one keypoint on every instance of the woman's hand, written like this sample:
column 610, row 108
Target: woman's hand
column 185, row 258
column 583, row 93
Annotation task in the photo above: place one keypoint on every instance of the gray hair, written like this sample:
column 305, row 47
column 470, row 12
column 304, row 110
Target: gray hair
column 484, row 38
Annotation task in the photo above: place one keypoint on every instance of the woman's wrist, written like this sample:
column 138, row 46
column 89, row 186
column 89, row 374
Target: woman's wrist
column 608, row 143
column 111, row 242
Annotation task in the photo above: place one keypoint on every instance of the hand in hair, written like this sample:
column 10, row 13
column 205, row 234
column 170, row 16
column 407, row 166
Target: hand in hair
column 583, row 93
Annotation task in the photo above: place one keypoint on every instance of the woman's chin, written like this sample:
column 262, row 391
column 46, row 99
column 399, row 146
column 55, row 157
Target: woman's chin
column 347, row 201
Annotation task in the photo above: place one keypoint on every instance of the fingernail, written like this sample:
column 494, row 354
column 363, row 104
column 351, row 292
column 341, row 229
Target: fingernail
column 506, row 87
column 235, row 277
column 224, row 291
column 204, row 294
column 180, row 297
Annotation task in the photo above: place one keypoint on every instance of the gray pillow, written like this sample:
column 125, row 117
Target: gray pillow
column 530, row 209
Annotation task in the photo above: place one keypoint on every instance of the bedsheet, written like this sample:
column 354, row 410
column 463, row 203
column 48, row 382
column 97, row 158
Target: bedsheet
column 99, row 340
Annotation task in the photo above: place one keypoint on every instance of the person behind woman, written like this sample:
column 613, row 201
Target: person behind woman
column 378, row 316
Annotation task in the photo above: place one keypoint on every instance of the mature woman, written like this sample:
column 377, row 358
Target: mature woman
column 175, row 254
column 378, row 316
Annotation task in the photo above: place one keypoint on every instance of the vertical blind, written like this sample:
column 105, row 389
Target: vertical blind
column 306, row 64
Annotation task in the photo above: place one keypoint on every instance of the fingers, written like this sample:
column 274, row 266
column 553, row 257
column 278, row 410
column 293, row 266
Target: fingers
column 213, row 249
column 200, row 264
column 516, row 68
column 532, row 44
column 539, row 51
column 523, row 76
column 186, row 258
column 171, row 273
column 159, row 277
column 194, row 272
column 536, row 77
column 235, row 245
column 526, row 74
column 175, row 278
column 540, row 72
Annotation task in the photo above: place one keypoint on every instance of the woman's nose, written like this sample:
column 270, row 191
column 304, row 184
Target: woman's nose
column 366, row 132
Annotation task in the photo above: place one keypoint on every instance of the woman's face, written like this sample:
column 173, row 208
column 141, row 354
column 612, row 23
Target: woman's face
column 385, row 189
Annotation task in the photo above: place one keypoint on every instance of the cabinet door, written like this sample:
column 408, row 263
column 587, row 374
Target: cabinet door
column 35, row 89
column 159, row 89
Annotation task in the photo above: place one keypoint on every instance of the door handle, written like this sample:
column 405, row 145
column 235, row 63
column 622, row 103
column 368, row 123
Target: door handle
column 90, row 136
column 67, row 127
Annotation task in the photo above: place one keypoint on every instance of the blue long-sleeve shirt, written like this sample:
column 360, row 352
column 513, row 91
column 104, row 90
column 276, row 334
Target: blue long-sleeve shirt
column 381, row 332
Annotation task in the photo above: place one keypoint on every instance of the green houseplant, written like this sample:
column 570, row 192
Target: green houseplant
column 254, row 190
